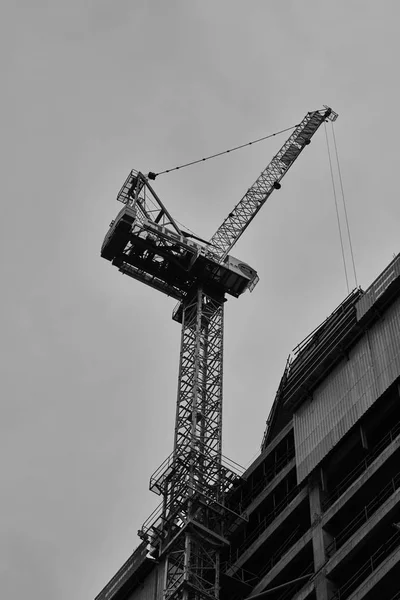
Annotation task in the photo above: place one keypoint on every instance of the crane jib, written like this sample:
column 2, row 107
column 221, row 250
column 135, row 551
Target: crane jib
column 244, row 212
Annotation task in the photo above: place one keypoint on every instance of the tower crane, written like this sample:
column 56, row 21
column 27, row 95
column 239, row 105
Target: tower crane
column 189, row 530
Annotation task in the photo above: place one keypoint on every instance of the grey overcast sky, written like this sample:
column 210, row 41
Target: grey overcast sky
column 89, row 363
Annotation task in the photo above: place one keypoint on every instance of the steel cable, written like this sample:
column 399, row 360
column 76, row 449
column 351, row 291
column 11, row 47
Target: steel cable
column 344, row 204
column 337, row 209
column 152, row 175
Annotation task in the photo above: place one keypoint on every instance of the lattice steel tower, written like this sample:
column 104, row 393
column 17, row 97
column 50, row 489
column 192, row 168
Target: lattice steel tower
column 188, row 530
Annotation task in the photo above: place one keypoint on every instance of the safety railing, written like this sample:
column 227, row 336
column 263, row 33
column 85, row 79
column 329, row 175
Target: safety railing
column 288, row 594
column 361, row 466
column 262, row 526
column 282, row 550
column 369, row 566
column 272, row 472
column 241, row 574
column 224, row 470
column 364, row 515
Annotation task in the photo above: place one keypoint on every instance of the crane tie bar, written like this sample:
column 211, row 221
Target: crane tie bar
column 152, row 175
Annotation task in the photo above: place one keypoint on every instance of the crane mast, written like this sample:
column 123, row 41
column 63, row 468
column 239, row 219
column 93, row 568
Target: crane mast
column 189, row 529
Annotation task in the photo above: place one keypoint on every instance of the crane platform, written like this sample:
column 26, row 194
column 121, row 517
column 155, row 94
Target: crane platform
column 171, row 262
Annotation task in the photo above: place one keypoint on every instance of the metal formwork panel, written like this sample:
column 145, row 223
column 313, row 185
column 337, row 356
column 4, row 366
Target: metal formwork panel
column 385, row 347
column 337, row 404
column 348, row 392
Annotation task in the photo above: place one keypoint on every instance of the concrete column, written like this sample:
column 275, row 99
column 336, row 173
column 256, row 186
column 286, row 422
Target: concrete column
column 317, row 532
column 324, row 589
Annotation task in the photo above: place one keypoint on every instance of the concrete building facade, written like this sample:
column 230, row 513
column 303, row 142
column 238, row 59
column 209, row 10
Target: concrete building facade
column 321, row 503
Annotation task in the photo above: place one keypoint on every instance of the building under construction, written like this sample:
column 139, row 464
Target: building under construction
column 317, row 514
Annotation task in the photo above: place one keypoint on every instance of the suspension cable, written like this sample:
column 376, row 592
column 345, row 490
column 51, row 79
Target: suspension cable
column 344, row 205
column 152, row 175
column 337, row 208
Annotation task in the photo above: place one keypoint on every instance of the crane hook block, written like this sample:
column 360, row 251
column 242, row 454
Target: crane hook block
column 277, row 185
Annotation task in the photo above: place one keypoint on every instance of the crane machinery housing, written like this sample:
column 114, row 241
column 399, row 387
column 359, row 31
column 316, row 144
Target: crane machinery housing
column 189, row 529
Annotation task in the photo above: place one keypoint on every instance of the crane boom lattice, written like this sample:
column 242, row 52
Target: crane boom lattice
column 244, row 212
